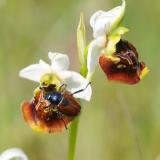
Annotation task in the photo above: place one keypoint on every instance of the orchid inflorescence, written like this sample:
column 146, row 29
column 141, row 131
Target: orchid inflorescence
column 54, row 104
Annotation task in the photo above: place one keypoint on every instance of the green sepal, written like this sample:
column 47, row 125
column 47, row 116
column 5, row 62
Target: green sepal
column 81, row 40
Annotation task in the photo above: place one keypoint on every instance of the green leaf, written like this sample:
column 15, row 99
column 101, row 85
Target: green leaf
column 81, row 40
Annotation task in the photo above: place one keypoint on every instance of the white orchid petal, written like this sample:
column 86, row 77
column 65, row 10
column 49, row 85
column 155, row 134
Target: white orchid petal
column 44, row 64
column 103, row 22
column 59, row 62
column 13, row 153
column 76, row 82
column 35, row 71
column 58, row 67
column 94, row 51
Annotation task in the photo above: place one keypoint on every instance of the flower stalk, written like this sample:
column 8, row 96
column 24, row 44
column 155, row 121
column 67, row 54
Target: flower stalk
column 74, row 129
column 73, row 138
column 81, row 46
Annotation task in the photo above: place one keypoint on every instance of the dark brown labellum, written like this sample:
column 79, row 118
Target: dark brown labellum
column 44, row 114
column 123, row 65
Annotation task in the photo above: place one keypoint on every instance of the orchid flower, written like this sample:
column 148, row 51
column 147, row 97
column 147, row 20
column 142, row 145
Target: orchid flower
column 13, row 153
column 57, row 73
column 53, row 106
column 117, row 58
column 102, row 24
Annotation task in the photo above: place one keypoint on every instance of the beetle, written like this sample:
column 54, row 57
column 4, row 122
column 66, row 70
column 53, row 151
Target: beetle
column 52, row 109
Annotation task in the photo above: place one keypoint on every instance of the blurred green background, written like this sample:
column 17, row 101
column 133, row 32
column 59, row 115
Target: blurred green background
column 121, row 122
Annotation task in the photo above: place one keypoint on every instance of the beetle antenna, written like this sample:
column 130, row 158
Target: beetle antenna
column 62, row 88
column 81, row 90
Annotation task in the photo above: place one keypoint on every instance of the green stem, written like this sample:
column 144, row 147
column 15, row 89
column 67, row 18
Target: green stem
column 72, row 139
column 81, row 37
column 74, row 128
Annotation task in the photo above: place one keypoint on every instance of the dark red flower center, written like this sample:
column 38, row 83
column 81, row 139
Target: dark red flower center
column 128, row 69
column 127, row 54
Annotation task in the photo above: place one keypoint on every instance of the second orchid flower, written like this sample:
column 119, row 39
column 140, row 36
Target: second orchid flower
column 118, row 58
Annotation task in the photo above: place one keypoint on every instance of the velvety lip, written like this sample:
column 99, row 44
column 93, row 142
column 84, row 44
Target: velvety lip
column 50, row 122
column 128, row 69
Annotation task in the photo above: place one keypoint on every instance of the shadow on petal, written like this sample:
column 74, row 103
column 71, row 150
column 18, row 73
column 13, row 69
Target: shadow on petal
column 123, row 65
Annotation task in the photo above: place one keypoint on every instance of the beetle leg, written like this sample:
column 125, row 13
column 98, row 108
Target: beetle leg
column 60, row 117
